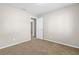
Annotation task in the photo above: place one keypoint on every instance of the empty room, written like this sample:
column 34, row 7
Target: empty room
column 39, row 29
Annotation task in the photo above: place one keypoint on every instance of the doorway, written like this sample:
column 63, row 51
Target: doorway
column 33, row 28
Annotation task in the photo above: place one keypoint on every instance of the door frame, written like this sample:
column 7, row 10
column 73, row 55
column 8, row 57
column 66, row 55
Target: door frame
column 33, row 21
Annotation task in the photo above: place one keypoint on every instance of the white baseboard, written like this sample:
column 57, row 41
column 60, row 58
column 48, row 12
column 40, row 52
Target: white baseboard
column 41, row 39
column 9, row 45
column 64, row 44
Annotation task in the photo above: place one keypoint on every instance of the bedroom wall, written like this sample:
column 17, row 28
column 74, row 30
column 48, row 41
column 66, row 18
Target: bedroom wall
column 14, row 26
column 62, row 26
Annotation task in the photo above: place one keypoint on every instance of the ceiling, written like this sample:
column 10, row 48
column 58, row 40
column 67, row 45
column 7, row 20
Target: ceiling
column 38, row 9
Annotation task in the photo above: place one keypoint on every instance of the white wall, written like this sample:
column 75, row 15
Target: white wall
column 39, row 28
column 62, row 26
column 14, row 26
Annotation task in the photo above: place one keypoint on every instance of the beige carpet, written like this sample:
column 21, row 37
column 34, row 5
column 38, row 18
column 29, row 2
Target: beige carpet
column 39, row 47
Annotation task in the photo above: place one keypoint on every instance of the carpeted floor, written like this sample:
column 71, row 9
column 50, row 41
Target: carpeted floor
column 39, row 47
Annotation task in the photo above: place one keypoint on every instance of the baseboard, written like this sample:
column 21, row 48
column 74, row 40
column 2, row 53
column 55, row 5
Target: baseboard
column 13, row 44
column 41, row 39
column 64, row 44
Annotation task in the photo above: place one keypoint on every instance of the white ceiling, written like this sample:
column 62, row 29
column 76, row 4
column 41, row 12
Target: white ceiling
column 39, row 8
